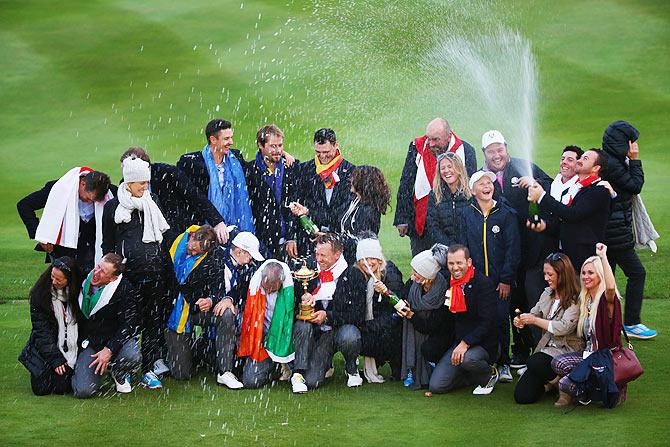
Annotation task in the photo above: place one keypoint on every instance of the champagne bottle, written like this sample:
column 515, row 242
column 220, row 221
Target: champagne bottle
column 308, row 225
column 533, row 213
column 396, row 302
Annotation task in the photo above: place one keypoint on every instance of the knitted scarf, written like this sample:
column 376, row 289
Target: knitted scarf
column 154, row 222
column 455, row 292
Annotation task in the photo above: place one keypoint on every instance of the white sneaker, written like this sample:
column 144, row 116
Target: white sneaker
column 488, row 388
column 285, row 373
column 329, row 373
column 160, row 367
column 505, row 375
column 124, row 386
column 354, row 380
column 228, row 379
column 298, row 383
column 520, row 371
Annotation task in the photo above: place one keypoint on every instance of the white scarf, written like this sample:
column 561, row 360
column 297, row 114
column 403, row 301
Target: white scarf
column 105, row 296
column 326, row 290
column 59, row 224
column 559, row 190
column 154, row 222
column 66, row 325
column 350, row 214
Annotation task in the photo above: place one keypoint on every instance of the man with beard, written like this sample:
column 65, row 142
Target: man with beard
column 418, row 176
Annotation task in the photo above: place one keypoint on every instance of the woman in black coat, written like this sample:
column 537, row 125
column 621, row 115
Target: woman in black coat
column 51, row 351
column 450, row 194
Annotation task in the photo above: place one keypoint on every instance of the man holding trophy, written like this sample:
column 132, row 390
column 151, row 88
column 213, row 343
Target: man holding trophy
column 336, row 297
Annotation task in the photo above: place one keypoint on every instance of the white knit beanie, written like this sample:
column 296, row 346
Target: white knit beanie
column 425, row 264
column 369, row 248
column 136, row 170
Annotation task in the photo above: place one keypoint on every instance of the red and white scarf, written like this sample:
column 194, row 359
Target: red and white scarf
column 59, row 224
column 426, row 163
column 574, row 189
column 328, row 280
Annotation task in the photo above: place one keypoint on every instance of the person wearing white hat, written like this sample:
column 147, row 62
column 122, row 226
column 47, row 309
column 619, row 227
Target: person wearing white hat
column 381, row 332
column 133, row 227
column 513, row 176
column 418, row 176
column 492, row 235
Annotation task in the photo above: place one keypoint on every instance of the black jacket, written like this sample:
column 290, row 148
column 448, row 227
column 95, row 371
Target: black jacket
column 206, row 280
column 115, row 323
column 580, row 225
column 627, row 179
column 534, row 246
column 311, row 193
column 404, row 211
column 382, row 309
column 125, row 239
column 364, row 218
column 444, row 221
column 594, row 379
column 477, row 325
column 348, row 303
column 85, row 252
column 181, row 202
column 267, row 212
column 502, row 241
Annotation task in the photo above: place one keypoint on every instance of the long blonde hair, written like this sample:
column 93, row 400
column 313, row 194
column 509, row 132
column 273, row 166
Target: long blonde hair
column 584, row 298
column 439, row 185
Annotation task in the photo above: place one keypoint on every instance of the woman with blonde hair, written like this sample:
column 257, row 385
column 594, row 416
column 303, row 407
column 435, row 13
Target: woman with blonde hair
column 449, row 196
column 600, row 321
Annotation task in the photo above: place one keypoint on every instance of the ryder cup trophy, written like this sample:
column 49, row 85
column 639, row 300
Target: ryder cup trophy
column 304, row 274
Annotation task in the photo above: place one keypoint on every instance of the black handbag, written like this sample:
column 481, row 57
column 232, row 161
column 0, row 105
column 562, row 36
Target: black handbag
column 32, row 359
column 626, row 365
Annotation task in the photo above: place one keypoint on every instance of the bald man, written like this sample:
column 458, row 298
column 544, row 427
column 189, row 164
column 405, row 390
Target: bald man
column 417, row 178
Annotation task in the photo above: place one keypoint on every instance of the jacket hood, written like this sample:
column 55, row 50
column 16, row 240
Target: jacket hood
column 616, row 138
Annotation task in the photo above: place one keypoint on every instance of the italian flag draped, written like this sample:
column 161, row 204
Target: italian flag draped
column 277, row 343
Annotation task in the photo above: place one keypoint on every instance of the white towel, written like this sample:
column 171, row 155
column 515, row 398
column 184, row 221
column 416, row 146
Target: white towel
column 154, row 221
column 643, row 228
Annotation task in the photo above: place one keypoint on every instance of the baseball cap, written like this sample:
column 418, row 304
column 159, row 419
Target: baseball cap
column 492, row 136
column 247, row 241
column 478, row 175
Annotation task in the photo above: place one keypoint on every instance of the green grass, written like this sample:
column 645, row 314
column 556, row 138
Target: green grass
column 82, row 82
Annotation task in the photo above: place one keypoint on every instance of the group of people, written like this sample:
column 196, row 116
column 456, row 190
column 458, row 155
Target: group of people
column 193, row 265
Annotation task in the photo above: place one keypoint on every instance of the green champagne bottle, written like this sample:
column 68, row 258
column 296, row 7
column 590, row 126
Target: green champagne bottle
column 396, row 302
column 308, row 225
column 533, row 213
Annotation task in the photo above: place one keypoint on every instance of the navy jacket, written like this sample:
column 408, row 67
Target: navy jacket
column 594, row 378
column 493, row 241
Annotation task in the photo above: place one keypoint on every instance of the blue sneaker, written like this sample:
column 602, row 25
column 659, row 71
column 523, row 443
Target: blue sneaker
column 640, row 331
column 409, row 381
column 151, row 381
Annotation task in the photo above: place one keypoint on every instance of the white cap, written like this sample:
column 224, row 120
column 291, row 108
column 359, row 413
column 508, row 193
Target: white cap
column 247, row 241
column 369, row 248
column 477, row 176
column 425, row 264
column 135, row 170
column 492, row 136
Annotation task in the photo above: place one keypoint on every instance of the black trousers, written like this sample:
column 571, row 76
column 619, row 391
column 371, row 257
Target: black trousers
column 523, row 341
column 154, row 310
column 630, row 263
column 530, row 387
column 51, row 383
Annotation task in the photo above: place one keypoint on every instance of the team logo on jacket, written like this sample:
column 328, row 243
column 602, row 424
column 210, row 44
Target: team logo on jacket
column 495, row 229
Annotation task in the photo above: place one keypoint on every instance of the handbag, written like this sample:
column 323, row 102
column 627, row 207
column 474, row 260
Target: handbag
column 626, row 365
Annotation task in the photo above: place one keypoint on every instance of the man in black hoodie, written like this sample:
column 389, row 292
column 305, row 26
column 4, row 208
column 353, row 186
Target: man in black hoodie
column 625, row 174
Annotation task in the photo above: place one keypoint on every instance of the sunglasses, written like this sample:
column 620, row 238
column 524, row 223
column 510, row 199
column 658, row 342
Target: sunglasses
column 554, row 257
column 62, row 266
column 448, row 155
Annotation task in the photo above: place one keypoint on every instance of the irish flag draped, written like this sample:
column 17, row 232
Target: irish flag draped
column 184, row 264
column 277, row 343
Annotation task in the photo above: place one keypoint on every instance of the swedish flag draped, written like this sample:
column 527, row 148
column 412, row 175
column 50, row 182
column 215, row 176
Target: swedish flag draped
column 184, row 264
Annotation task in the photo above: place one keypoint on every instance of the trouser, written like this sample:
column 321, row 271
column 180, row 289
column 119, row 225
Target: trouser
column 85, row 382
column 51, row 383
column 636, row 275
column 314, row 349
column 530, row 387
column 153, row 302
column 419, row 243
column 503, row 317
column 522, row 339
column 258, row 374
column 181, row 347
column 475, row 370
column 563, row 365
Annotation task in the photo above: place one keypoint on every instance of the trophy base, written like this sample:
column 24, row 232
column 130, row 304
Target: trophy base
column 304, row 317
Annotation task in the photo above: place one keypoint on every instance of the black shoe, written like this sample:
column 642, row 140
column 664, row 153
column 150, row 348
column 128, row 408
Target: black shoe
column 517, row 362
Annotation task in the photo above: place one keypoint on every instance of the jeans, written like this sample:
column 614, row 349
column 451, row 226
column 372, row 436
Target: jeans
column 475, row 369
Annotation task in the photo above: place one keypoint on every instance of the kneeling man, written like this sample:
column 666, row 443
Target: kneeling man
column 471, row 299
column 338, row 299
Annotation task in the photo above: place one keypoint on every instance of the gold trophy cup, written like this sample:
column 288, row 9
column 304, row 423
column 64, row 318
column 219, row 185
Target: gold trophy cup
column 305, row 274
